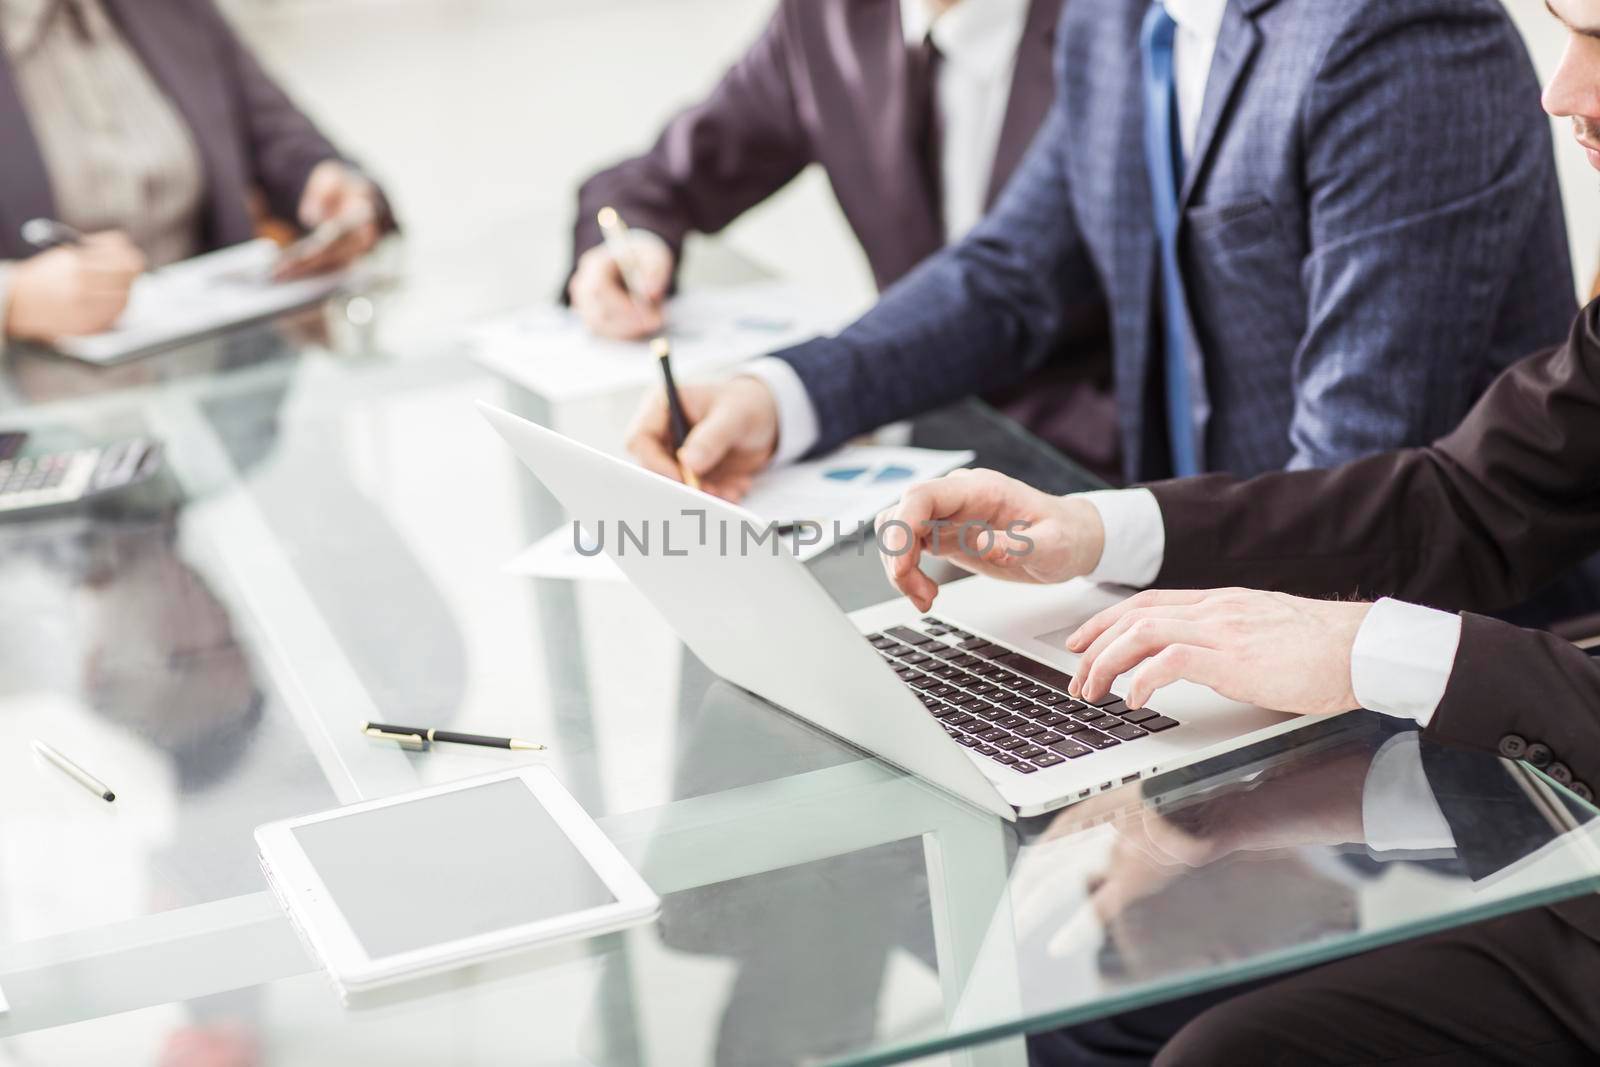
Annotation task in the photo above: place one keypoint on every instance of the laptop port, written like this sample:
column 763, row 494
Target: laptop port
column 1130, row 778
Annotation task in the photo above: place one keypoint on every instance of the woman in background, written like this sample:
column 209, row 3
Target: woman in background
column 148, row 126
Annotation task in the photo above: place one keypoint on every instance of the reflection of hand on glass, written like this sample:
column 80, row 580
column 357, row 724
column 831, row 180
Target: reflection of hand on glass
column 1152, row 848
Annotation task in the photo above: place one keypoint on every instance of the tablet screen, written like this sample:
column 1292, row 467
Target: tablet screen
column 450, row 866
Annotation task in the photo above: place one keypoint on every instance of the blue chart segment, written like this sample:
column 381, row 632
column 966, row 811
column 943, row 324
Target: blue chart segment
column 894, row 474
column 844, row 474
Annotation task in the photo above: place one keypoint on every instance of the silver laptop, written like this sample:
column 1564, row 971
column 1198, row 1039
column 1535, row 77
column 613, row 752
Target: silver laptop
column 971, row 698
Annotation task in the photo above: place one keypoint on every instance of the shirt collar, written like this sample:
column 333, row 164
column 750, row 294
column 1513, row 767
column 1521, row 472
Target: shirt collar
column 1203, row 18
column 978, row 33
column 23, row 23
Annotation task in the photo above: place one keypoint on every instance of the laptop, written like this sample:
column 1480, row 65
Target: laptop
column 971, row 698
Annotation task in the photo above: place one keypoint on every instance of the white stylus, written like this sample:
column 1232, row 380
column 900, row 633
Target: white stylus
column 75, row 772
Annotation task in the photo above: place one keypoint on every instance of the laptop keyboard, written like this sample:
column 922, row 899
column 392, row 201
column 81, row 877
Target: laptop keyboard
column 1003, row 705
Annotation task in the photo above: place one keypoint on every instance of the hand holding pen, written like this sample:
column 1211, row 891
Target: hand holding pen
column 77, row 284
column 619, row 287
column 732, row 434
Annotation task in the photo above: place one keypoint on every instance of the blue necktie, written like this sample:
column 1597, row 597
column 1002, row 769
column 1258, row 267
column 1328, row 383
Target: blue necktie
column 1164, row 158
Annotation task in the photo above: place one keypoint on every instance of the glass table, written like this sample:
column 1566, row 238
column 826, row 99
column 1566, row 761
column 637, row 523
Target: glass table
column 327, row 544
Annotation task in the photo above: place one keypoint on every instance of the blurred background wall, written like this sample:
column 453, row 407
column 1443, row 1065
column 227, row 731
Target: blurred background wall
column 482, row 115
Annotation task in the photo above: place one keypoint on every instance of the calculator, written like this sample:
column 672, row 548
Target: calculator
column 29, row 483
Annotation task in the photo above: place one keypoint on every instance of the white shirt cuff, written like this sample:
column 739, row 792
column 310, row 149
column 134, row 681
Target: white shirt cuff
column 1136, row 537
column 1398, row 809
column 1402, row 659
column 797, row 418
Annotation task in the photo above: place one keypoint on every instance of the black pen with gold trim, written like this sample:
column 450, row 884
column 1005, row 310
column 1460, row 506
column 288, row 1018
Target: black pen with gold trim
column 418, row 736
column 677, row 418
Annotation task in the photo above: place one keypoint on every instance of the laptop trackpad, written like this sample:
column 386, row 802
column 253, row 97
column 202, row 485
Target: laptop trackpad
column 1057, row 639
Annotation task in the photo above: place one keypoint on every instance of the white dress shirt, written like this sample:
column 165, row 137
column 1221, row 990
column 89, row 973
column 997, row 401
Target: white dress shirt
column 972, row 117
column 978, row 41
column 1199, row 23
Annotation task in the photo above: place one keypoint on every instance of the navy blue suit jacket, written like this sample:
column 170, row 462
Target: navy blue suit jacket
column 1371, row 230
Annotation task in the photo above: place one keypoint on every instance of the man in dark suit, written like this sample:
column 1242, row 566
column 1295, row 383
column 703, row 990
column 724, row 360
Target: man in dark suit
column 1319, row 230
column 149, row 126
column 918, row 111
column 1469, row 524
column 853, row 86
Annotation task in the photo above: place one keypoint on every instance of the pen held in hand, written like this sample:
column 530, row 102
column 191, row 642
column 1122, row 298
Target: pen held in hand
column 45, row 234
column 677, row 419
column 615, row 233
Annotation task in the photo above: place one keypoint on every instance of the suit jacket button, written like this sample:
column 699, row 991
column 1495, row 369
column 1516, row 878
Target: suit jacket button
column 1512, row 746
column 1582, row 791
column 1560, row 772
column 1539, row 755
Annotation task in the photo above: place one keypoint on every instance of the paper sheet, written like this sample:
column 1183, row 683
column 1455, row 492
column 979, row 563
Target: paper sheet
column 196, row 296
column 548, row 351
column 849, row 486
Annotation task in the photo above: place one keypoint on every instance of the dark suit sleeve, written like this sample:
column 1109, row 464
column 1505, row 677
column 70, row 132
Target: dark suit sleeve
column 716, row 160
column 973, row 318
column 1410, row 252
column 1492, row 820
column 1527, row 683
column 283, row 144
column 1479, row 521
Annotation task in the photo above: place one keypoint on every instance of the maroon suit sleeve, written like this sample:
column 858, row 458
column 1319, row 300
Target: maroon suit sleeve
column 716, row 160
column 1479, row 521
column 284, row 144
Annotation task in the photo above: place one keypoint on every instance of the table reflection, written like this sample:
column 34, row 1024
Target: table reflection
column 1276, row 855
column 116, row 647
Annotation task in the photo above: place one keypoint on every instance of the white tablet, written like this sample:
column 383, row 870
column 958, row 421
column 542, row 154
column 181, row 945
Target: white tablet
column 424, row 882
